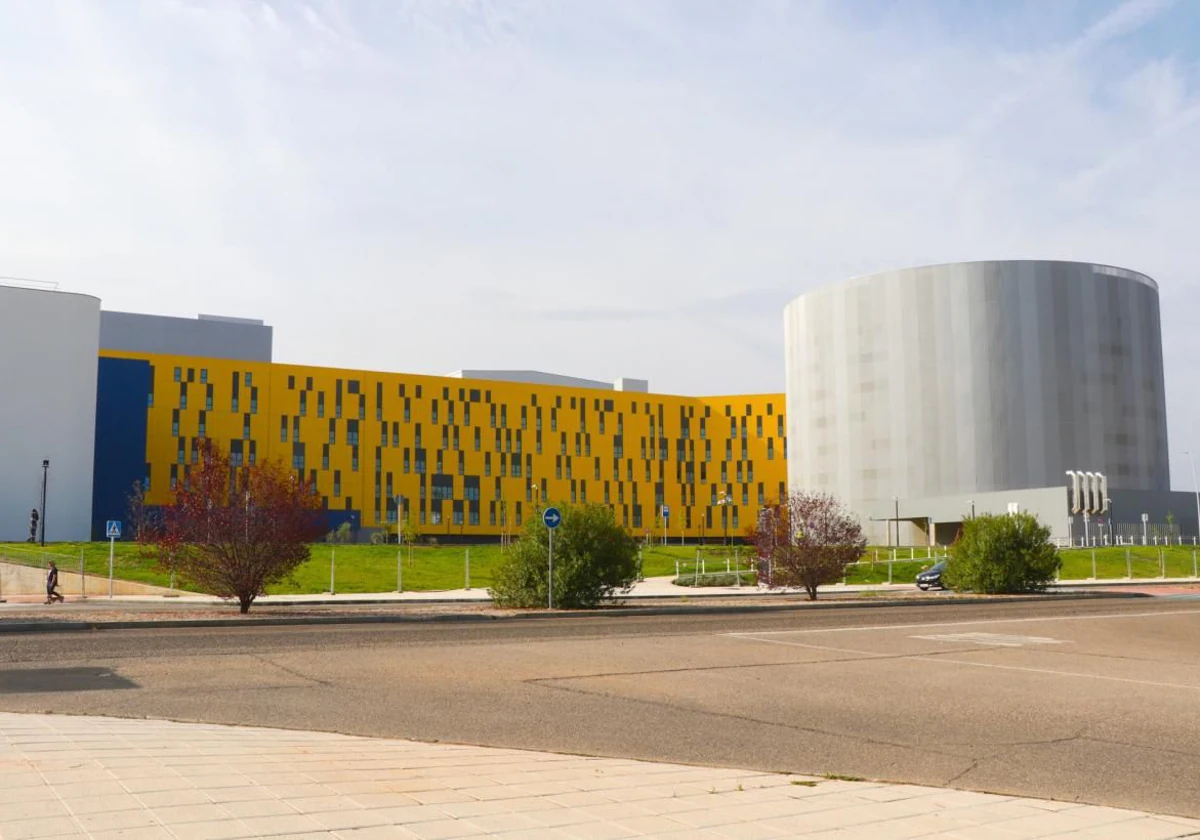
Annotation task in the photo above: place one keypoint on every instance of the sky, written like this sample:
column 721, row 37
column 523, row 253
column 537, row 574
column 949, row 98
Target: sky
column 599, row 189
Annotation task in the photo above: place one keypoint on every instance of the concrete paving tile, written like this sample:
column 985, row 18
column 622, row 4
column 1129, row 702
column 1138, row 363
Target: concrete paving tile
column 746, row 831
column 216, row 830
column 557, row 817
column 579, row 799
column 147, row 833
column 258, row 808
column 412, row 814
column 298, row 791
column 39, row 827
column 438, row 797
column 83, row 790
column 318, row 804
column 501, row 823
column 22, row 780
column 152, row 784
column 984, row 832
column 1142, row 828
column 357, row 787
column 474, row 808
column 376, row 832
column 169, row 798
column 25, row 810
column 536, row 834
column 98, row 804
column 597, row 831
column 174, row 814
column 281, row 824
column 651, row 824
column 342, row 820
column 116, row 821
column 444, row 829
column 235, row 794
column 387, row 799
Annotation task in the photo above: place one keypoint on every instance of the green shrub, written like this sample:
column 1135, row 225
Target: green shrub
column 715, row 579
column 593, row 558
column 997, row 554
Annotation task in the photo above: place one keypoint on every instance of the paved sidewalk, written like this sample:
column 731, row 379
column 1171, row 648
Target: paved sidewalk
column 659, row 587
column 101, row 778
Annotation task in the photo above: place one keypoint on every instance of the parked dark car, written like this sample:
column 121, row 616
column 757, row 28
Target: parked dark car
column 931, row 578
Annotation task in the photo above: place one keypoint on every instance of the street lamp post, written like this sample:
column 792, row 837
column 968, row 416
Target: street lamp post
column 896, row 502
column 45, row 479
column 1196, row 488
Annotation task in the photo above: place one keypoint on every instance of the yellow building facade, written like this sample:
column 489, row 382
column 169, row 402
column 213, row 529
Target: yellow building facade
column 471, row 458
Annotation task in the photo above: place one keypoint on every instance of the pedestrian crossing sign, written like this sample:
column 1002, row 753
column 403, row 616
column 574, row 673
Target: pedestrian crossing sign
column 112, row 530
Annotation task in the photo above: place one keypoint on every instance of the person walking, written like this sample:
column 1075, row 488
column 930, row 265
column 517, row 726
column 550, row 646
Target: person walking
column 52, row 593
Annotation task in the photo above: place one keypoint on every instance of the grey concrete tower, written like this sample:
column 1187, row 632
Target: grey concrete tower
column 975, row 377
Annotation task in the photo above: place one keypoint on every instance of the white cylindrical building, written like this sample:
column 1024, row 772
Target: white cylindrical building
column 49, row 343
column 975, row 378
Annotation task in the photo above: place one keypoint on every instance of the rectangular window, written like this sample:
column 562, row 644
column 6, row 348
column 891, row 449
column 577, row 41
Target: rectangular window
column 253, row 399
column 303, row 403
column 283, row 427
column 337, row 483
column 770, row 449
column 178, row 374
column 433, row 415
column 183, row 396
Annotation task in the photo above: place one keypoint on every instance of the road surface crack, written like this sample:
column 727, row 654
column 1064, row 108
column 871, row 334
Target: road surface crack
column 293, row 671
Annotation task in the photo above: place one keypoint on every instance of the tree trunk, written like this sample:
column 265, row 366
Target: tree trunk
column 244, row 602
column 812, row 592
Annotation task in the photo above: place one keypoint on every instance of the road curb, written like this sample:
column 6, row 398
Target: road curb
column 611, row 612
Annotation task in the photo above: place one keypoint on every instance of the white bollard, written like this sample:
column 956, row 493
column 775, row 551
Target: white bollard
column 332, row 559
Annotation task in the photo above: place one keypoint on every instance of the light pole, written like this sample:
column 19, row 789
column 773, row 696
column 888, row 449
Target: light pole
column 896, row 502
column 45, row 479
column 1196, row 488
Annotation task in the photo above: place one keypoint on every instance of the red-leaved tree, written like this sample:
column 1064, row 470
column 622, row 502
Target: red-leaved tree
column 234, row 530
column 806, row 542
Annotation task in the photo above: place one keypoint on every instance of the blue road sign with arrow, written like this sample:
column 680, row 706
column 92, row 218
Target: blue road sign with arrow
column 551, row 518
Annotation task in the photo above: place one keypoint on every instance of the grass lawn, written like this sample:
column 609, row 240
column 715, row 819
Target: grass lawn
column 372, row 568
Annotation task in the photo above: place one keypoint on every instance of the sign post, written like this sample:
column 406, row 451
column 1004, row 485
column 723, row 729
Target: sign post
column 666, row 515
column 112, row 530
column 551, row 518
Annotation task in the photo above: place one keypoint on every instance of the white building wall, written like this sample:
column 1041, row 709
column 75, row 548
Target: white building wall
column 49, row 346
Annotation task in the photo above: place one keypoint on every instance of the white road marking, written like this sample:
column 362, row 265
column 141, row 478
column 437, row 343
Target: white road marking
column 945, row 660
column 993, row 639
column 978, row 623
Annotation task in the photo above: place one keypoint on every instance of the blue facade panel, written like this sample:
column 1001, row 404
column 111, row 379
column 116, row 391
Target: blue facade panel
column 122, row 388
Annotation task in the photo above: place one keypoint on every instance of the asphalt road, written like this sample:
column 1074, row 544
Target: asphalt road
column 1093, row 701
